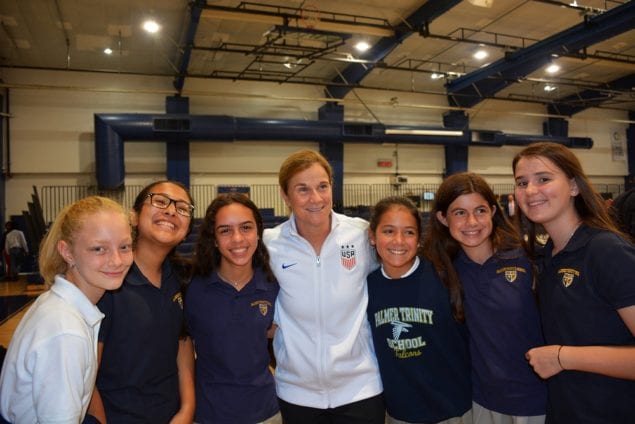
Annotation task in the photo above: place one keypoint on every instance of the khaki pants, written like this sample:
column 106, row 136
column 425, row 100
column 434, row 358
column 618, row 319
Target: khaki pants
column 483, row 415
column 465, row 419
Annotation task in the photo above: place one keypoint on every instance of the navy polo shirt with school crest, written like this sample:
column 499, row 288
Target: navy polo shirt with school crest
column 138, row 376
column 580, row 290
column 229, row 328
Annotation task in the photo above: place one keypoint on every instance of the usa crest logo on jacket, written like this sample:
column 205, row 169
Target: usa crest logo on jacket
column 348, row 256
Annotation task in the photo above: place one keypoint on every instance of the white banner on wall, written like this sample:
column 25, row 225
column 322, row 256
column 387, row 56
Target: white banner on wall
column 618, row 145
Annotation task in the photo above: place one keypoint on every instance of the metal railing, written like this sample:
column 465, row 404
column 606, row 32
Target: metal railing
column 267, row 196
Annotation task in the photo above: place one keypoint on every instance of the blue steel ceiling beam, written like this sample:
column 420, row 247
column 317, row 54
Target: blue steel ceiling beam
column 112, row 130
column 471, row 89
column 195, row 16
column 578, row 102
column 356, row 72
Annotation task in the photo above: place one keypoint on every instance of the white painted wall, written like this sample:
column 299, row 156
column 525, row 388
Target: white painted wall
column 52, row 134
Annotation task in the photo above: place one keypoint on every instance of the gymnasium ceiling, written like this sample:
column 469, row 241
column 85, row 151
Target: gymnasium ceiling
column 416, row 46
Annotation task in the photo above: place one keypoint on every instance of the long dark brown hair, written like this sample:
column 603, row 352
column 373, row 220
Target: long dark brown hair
column 441, row 248
column 207, row 256
column 589, row 204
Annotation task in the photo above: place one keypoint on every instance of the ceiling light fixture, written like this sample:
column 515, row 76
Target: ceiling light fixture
column 481, row 3
column 151, row 26
column 480, row 54
column 108, row 51
column 442, row 133
column 362, row 46
column 552, row 68
column 549, row 88
column 436, row 75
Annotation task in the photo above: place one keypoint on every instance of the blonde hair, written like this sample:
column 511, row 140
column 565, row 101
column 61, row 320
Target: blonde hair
column 298, row 162
column 68, row 223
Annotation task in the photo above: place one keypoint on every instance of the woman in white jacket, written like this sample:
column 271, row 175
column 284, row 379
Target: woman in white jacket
column 326, row 368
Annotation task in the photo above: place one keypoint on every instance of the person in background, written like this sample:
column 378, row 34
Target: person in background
column 229, row 307
column 511, row 205
column 16, row 248
column 586, row 291
column 421, row 346
column 326, row 369
column 476, row 247
column 50, row 368
column 146, row 373
column 624, row 208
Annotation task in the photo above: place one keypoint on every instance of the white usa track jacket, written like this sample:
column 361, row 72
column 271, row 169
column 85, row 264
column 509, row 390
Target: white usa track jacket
column 323, row 345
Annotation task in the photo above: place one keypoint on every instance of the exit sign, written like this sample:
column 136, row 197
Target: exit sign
column 384, row 163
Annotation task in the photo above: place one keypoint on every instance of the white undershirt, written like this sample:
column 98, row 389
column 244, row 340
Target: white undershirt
column 410, row 271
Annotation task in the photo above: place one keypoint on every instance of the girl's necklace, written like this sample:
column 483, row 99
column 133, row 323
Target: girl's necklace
column 237, row 284
column 577, row 225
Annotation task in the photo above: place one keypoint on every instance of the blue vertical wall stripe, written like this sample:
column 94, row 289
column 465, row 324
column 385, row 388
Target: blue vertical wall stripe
column 334, row 152
column 109, row 158
column 177, row 150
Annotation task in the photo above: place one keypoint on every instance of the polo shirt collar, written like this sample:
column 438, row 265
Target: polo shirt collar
column 259, row 278
column 136, row 278
column 72, row 295
column 580, row 238
column 495, row 258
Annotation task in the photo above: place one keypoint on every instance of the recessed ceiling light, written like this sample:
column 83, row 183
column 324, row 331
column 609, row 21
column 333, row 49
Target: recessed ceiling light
column 108, row 51
column 362, row 46
column 480, row 54
column 151, row 26
column 553, row 68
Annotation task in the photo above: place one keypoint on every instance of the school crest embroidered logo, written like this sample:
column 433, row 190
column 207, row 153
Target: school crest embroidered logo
column 178, row 298
column 568, row 276
column 511, row 272
column 511, row 275
column 348, row 256
column 263, row 306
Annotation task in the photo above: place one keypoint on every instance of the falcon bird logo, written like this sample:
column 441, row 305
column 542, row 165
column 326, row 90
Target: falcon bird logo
column 399, row 327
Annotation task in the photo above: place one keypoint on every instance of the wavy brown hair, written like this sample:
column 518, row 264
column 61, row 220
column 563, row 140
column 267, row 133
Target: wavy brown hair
column 589, row 204
column 441, row 248
column 207, row 256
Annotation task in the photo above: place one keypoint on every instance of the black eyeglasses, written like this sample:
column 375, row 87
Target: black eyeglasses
column 162, row 201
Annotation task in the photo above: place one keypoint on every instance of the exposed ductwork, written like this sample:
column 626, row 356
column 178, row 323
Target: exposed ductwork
column 111, row 131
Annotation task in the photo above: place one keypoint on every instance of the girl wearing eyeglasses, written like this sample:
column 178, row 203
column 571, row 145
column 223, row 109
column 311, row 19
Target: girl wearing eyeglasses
column 147, row 364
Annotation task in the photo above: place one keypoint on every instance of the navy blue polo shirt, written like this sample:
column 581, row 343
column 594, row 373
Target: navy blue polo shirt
column 503, row 323
column 138, row 375
column 580, row 290
column 233, row 381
